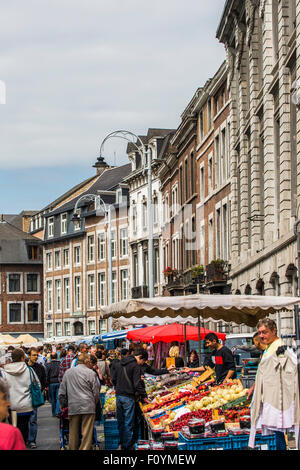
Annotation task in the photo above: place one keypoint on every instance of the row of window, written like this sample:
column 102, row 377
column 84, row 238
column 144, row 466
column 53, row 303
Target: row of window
column 62, row 291
column 191, row 240
column 68, row 330
column 62, row 257
column 15, row 283
column 20, row 312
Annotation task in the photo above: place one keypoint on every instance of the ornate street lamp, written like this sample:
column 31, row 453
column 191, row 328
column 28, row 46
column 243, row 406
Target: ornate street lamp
column 146, row 161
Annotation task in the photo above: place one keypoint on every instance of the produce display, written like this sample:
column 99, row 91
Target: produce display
column 181, row 403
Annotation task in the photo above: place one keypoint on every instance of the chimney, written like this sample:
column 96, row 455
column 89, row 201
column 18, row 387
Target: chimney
column 100, row 165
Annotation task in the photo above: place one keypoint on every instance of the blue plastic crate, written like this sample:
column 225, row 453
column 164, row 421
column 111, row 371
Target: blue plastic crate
column 241, row 442
column 110, row 426
column 111, row 442
column 269, row 440
column 204, row 444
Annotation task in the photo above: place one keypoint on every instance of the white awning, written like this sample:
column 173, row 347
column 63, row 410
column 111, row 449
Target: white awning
column 246, row 309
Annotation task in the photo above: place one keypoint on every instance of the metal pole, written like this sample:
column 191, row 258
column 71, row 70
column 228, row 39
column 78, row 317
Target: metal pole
column 150, row 226
column 199, row 339
column 110, row 297
column 185, row 348
column 297, row 316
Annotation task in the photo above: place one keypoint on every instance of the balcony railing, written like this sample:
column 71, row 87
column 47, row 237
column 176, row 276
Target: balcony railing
column 217, row 271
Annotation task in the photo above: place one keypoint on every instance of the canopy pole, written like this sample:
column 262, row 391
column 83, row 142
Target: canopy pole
column 199, row 339
column 185, row 348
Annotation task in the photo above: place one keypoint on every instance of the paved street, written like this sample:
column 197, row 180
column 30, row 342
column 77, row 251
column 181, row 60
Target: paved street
column 48, row 430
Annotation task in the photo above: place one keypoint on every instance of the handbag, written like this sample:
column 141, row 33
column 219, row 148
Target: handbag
column 35, row 391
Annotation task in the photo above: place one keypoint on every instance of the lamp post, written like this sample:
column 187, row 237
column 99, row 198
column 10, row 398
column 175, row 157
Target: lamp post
column 147, row 161
column 100, row 205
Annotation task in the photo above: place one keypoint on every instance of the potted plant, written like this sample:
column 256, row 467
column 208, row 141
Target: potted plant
column 215, row 270
column 169, row 271
column 197, row 271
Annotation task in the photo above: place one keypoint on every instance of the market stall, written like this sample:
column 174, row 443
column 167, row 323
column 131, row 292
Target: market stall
column 198, row 414
column 190, row 412
column 169, row 333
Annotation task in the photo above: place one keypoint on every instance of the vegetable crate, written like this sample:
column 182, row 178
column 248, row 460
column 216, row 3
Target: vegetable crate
column 204, row 444
column 111, row 434
column 241, row 442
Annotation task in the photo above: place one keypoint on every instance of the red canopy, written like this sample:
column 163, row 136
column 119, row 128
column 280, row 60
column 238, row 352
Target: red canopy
column 169, row 333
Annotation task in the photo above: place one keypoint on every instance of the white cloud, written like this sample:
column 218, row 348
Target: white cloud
column 75, row 71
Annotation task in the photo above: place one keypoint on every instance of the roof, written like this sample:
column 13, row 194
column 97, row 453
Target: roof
column 152, row 133
column 107, row 181
column 69, row 193
column 13, row 245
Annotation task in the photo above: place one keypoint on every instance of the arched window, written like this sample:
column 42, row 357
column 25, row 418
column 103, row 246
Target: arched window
column 248, row 290
column 260, row 287
column 78, row 328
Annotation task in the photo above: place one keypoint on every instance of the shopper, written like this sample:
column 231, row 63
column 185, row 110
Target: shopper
column 66, row 362
column 82, row 349
column 275, row 402
column 18, row 377
column 52, row 382
column 41, row 356
column 10, row 437
column 41, row 373
column 129, row 388
column 174, row 352
column 80, row 391
column 103, row 368
column 221, row 359
column 193, row 360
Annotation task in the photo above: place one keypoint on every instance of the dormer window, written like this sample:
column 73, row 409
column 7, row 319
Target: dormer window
column 119, row 196
column 138, row 160
column 63, row 224
column 51, row 227
column 33, row 252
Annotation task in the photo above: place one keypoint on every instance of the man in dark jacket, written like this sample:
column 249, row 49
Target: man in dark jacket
column 33, row 355
column 129, row 385
column 52, row 381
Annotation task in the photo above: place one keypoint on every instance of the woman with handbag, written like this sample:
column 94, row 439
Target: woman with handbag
column 19, row 378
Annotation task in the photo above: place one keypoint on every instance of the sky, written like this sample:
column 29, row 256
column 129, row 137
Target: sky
column 74, row 71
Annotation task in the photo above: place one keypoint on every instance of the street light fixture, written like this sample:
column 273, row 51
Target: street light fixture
column 145, row 154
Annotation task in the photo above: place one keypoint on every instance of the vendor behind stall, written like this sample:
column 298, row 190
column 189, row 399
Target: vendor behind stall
column 221, row 359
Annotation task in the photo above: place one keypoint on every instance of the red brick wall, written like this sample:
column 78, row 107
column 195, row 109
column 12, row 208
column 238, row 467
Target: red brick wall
column 23, row 297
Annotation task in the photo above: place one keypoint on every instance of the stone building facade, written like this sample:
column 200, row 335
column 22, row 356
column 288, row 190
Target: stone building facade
column 157, row 140
column 261, row 42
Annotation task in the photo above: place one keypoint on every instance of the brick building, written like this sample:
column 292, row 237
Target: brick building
column 195, row 189
column 21, row 279
column 75, row 255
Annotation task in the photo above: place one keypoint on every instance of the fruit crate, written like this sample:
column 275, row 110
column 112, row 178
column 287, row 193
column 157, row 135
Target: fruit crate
column 208, row 443
column 241, row 442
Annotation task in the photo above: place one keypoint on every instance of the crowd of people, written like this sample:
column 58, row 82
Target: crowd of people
column 71, row 379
